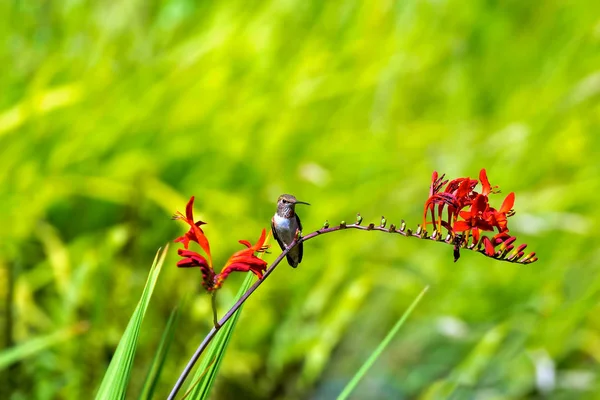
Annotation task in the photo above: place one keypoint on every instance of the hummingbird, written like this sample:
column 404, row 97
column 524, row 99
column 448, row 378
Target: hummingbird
column 285, row 223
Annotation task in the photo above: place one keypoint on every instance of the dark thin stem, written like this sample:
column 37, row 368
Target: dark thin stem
column 402, row 230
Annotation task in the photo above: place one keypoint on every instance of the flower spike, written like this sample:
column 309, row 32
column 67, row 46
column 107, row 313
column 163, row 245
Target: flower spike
column 243, row 260
column 469, row 214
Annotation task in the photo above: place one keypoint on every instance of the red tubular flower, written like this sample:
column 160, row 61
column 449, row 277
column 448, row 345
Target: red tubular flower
column 193, row 259
column 195, row 234
column 457, row 195
column 469, row 213
column 243, row 260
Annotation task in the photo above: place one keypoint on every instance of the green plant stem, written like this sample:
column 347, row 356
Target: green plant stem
column 213, row 300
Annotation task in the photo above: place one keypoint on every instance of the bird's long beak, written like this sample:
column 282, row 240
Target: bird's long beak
column 301, row 202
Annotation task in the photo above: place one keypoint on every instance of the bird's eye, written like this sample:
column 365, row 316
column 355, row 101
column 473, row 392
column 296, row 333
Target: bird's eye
column 284, row 201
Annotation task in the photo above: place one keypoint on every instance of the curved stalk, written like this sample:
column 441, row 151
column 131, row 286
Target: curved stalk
column 402, row 230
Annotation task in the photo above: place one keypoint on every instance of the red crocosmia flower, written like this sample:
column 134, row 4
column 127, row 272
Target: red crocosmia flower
column 469, row 213
column 243, row 260
column 457, row 194
column 195, row 234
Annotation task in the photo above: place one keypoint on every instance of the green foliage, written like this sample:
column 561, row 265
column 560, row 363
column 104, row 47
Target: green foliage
column 113, row 114
column 380, row 348
column 115, row 382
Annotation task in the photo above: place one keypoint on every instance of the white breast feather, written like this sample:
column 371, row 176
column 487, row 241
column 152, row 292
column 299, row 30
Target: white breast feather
column 284, row 231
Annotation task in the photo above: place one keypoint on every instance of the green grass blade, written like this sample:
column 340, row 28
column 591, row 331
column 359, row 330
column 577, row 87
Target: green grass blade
column 206, row 373
column 382, row 345
column 116, row 378
column 160, row 356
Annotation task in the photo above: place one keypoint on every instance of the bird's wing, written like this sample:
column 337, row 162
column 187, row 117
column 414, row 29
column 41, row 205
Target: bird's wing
column 300, row 245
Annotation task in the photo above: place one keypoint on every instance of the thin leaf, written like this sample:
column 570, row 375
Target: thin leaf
column 160, row 356
column 382, row 345
column 116, row 379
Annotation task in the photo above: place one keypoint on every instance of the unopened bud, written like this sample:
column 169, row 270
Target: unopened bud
column 528, row 257
column 358, row 219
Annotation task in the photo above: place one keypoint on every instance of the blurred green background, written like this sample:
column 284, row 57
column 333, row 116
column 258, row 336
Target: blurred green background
column 113, row 114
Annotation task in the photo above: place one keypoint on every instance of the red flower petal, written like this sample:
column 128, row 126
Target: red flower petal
column 464, row 188
column 460, row 226
column 185, row 240
column 489, row 247
column 475, row 231
column 189, row 210
column 434, row 178
column 245, row 243
column 192, row 259
column 503, row 237
column 480, row 204
column 486, row 188
column 465, row 214
column 257, row 267
column 508, row 203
